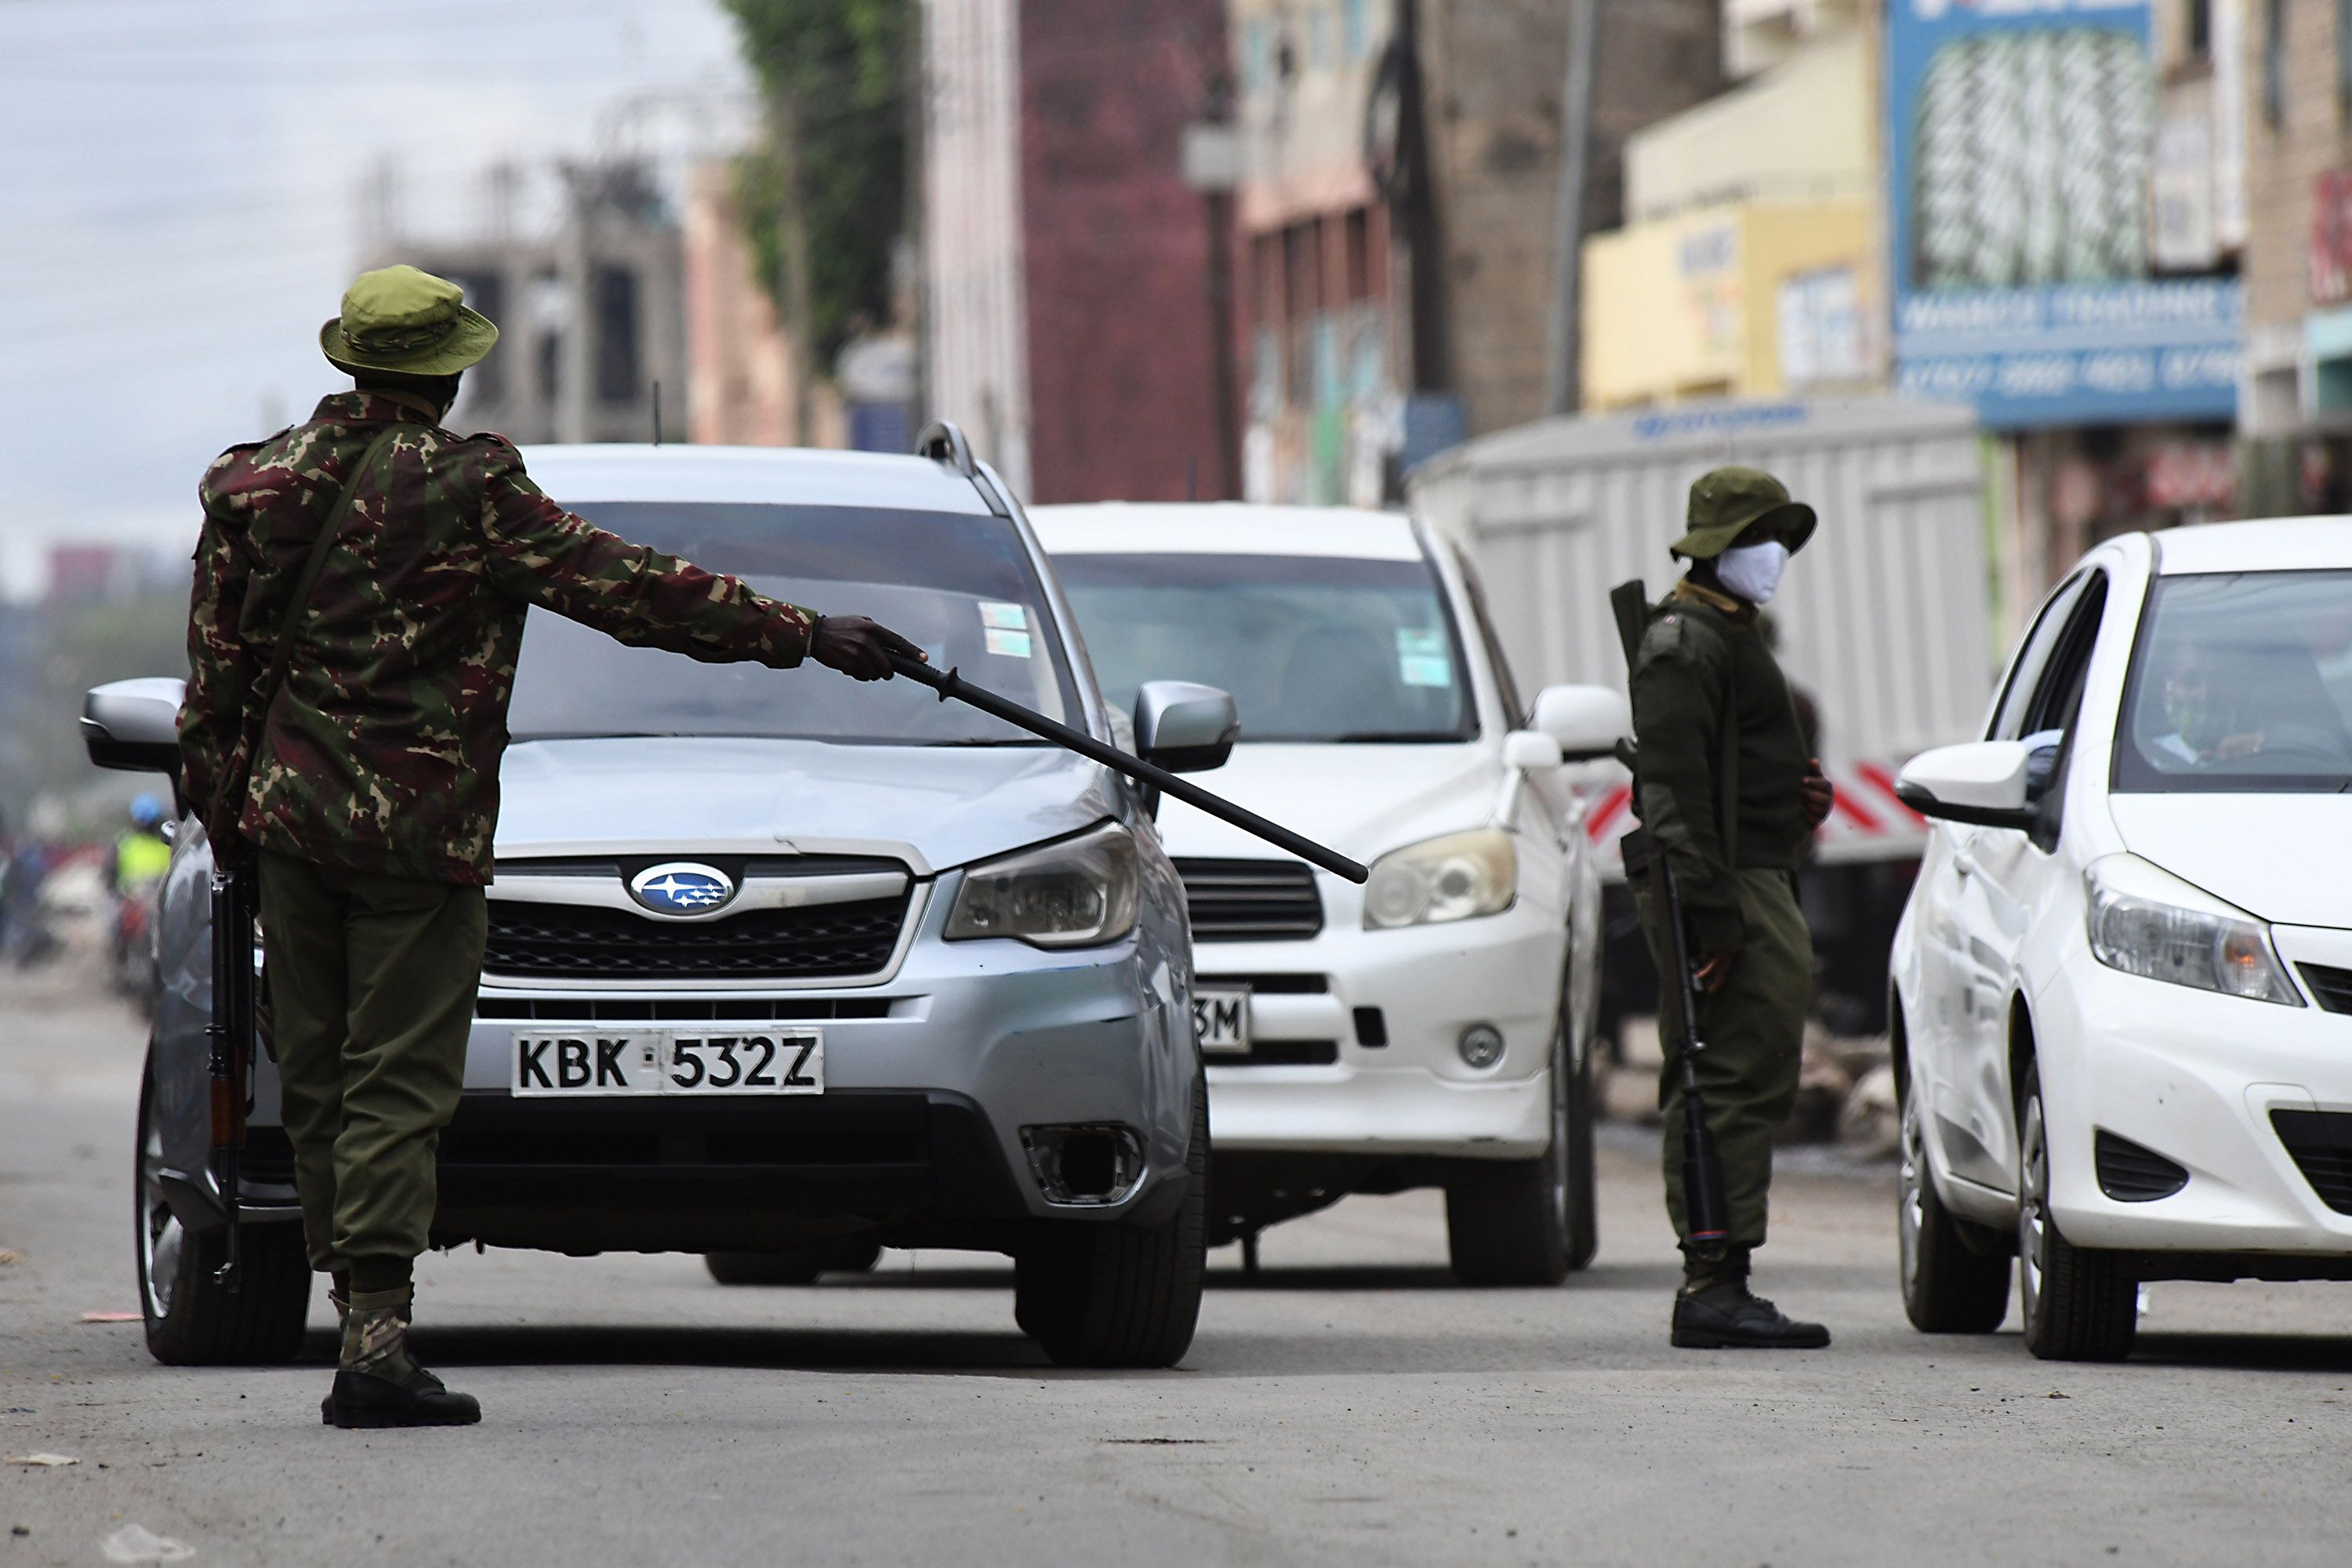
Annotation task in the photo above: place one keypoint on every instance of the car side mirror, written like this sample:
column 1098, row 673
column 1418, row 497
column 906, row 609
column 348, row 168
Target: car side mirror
column 1982, row 782
column 1587, row 721
column 1184, row 727
column 1530, row 752
column 134, row 725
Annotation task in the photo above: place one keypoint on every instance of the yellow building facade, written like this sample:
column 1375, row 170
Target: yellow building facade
column 1751, row 267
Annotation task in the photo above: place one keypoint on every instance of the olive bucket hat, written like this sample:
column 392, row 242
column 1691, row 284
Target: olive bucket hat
column 410, row 322
column 1724, row 501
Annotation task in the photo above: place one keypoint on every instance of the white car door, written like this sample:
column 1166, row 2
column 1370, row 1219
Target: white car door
column 2004, row 875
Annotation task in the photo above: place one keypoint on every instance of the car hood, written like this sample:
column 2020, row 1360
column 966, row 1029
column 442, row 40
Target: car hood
column 2284, row 857
column 932, row 806
column 1361, row 799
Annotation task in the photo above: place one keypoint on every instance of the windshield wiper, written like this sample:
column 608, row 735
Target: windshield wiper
column 1392, row 736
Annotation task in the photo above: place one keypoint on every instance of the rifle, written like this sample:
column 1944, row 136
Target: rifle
column 948, row 683
column 1706, row 1213
column 230, row 1035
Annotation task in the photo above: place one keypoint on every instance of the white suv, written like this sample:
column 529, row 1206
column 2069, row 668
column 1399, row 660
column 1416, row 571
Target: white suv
column 2121, row 981
column 1433, row 1027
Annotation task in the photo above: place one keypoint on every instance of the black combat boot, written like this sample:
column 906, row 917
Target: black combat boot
column 377, row 1384
column 1715, row 1311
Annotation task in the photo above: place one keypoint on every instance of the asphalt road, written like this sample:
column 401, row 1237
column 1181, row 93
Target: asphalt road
column 1352, row 1406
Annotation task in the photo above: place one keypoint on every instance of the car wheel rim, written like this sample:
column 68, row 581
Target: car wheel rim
column 2033, row 1210
column 1910, row 1180
column 160, row 1234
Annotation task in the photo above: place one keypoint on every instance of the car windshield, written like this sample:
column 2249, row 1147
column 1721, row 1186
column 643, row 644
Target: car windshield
column 1312, row 647
column 960, row 586
column 2241, row 681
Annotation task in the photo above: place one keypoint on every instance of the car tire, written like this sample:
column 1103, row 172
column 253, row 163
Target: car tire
column 192, row 1319
column 1948, row 1286
column 2079, row 1304
column 795, row 1266
column 1120, row 1295
column 1528, row 1222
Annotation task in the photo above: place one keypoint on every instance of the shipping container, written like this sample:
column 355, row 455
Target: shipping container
column 1883, row 621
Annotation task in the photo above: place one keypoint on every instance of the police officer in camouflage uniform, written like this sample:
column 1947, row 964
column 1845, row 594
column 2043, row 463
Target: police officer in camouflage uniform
column 1728, row 790
column 370, row 783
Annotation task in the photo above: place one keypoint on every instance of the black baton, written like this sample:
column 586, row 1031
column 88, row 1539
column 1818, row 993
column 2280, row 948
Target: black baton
column 950, row 684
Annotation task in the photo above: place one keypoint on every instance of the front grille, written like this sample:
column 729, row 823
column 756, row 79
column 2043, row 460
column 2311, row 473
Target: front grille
column 2320, row 1143
column 2332, row 987
column 691, row 1009
column 565, row 942
column 2131, row 1175
column 1251, row 901
column 1277, row 1054
column 1271, row 984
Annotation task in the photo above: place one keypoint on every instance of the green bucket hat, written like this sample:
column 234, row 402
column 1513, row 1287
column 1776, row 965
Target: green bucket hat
column 1724, row 501
column 401, row 319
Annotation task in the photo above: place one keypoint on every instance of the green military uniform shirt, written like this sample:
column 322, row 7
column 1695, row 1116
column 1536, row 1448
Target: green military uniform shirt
column 1700, row 644
column 381, row 753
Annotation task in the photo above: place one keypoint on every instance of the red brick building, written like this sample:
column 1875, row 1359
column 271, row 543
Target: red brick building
column 1072, row 315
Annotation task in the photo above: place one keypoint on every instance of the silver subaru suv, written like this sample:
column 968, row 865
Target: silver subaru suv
column 782, row 969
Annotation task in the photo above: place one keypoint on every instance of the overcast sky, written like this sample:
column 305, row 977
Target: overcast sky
column 181, row 181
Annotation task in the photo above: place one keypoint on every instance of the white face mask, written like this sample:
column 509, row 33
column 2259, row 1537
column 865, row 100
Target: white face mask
column 1753, row 571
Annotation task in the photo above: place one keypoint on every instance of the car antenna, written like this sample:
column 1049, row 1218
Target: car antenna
column 657, row 414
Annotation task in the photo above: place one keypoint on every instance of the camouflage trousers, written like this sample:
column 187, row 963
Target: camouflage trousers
column 372, row 982
column 1754, row 1031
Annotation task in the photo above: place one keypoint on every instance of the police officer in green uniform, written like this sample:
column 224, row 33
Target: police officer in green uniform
column 363, row 783
column 1728, row 790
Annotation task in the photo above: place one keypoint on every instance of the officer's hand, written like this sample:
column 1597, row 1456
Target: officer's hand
column 859, row 647
column 1714, row 969
column 1818, row 792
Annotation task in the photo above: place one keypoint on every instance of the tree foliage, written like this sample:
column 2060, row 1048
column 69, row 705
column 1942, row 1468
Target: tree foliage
column 835, row 75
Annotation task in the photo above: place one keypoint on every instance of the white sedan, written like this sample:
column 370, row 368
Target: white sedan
column 1433, row 1027
column 2122, row 983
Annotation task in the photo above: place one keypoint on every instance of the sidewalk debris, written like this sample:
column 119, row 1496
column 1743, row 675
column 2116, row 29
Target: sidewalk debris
column 42, row 1459
column 110, row 1318
column 137, row 1544
column 10, row 1255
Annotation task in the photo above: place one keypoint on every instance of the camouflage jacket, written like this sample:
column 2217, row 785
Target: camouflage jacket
column 381, row 753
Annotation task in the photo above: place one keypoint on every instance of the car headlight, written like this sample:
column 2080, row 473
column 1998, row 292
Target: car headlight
column 1072, row 893
column 2145, row 922
column 1438, row 880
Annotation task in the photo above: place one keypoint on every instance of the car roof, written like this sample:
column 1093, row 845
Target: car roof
column 1223, row 528
column 796, row 476
column 2271, row 544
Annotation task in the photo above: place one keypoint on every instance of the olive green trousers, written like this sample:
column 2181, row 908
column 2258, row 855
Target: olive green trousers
column 372, row 982
column 1754, row 1032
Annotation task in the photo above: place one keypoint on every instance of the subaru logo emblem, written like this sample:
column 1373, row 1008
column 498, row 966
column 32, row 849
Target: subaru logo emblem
column 681, row 887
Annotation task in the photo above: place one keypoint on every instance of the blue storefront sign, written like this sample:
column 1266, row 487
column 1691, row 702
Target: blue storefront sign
column 2021, row 136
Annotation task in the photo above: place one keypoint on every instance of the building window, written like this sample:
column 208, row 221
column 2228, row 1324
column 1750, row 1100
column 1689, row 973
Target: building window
column 486, row 293
column 2274, row 62
column 615, row 295
column 2198, row 27
column 2343, row 55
